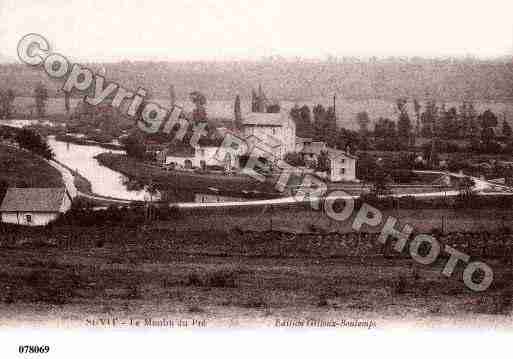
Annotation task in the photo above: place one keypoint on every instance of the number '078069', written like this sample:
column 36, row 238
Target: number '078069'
column 33, row 349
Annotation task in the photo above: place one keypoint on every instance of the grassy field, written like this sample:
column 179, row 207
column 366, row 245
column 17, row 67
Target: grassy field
column 169, row 180
column 22, row 168
column 297, row 218
column 65, row 276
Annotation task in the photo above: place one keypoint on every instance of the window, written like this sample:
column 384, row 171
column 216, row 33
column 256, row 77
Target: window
column 342, row 171
column 342, row 160
column 28, row 218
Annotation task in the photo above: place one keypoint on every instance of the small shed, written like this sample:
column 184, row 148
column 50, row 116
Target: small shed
column 34, row 206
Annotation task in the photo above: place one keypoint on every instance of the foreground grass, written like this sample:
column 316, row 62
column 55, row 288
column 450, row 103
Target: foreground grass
column 71, row 274
column 300, row 218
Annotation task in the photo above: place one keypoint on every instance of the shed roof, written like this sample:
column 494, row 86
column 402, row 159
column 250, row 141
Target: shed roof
column 33, row 200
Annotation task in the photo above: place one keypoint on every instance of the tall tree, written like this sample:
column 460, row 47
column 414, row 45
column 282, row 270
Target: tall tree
column 41, row 98
column 385, row 134
column 237, row 112
column 172, row 96
column 6, row 103
column 429, row 119
column 323, row 162
column 417, row 107
column 325, row 124
column 259, row 101
column 363, row 122
column 134, row 145
column 468, row 115
column 320, row 121
column 403, row 123
column 506, row 129
column 488, row 121
column 331, row 119
column 66, row 101
column 254, row 101
column 384, row 128
column 199, row 114
column 319, row 113
column 303, row 118
column 449, row 123
column 306, row 121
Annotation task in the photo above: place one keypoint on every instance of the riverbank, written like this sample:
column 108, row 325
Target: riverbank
column 143, row 172
column 86, row 142
column 104, row 182
column 86, row 195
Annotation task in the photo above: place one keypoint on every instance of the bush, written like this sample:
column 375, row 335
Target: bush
column 194, row 280
column 218, row 279
column 222, row 279
column 255, row 303
column 399, row 286
column 80, row 216
column 167, row 213
column 32, row 141
column 404, row 176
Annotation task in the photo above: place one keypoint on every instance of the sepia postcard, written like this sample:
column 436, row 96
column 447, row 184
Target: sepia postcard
column 255, row 178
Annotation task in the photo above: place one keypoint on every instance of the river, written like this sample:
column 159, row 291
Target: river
column 107, row 182
column 104, row 181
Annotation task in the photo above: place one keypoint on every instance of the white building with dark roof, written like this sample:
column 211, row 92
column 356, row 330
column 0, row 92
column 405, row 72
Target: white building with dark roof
column 342, row 166
column 275, row 131
column 34, row 206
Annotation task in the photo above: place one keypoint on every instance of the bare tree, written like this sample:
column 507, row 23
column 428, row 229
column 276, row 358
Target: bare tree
column 237, row 112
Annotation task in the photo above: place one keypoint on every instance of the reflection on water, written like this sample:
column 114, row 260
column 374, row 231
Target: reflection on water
column 23, row 123
column 104, row 181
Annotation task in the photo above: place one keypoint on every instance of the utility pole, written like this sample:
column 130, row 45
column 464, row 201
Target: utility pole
column 271, row 216
column 335, row 106
column 432, row 138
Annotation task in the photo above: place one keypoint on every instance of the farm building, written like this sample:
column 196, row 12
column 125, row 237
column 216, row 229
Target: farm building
column 198, row 157
column 34, row 206
column 276, row 130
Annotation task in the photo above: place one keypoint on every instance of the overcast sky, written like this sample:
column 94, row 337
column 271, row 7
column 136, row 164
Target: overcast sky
column 109, row 30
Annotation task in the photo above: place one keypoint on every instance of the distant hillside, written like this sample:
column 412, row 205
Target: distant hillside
column 443, row 80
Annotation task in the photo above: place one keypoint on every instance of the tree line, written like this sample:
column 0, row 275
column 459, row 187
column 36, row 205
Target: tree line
column 481, row 131
column 28, row 139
